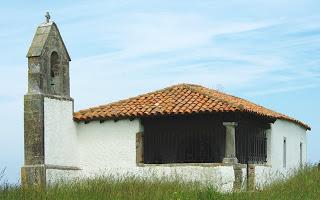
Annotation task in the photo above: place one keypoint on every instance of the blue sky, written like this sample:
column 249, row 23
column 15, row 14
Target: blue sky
column 264, row 51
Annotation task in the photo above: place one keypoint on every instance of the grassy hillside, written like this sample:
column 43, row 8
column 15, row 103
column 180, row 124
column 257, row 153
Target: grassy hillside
column 305, row 184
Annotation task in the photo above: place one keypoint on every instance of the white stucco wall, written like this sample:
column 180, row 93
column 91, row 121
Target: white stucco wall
column 294, row 134
column 107, row 145
column 109, row 148
column 57, row 175
column 60, row 136
column 220, row 177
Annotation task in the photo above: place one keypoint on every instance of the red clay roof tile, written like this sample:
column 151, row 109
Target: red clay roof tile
column 178, row 99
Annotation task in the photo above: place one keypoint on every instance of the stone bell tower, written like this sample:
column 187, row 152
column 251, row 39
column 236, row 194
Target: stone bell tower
column 48, row 78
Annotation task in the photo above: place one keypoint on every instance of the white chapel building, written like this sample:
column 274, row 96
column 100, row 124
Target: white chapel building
column 184, row 130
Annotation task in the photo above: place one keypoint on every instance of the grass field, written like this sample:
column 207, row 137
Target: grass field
column 304, row 185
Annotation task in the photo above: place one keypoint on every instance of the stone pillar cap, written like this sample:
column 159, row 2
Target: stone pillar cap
column 230, row 123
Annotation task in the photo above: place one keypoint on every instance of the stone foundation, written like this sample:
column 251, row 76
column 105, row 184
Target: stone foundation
column 139, row 148
column 33, row 175
column 251, row 177
column 237, row 184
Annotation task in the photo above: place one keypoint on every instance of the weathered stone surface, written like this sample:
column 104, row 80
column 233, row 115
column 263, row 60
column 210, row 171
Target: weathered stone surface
column 41, row 37
column 230, row 147
column 33, row 129
column 139, row 148
column 34, row 175
column 230, row 161
column 42, row 77
column 251, row 183
column 237, row 184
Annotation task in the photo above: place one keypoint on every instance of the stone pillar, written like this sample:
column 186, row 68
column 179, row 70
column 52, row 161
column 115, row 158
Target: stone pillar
column 251, row 182
column 33, row 175
column 230, row 146
column 237, row 184
column 140, row 145
column 33, row 172
column 139, row 148
column 268, row 135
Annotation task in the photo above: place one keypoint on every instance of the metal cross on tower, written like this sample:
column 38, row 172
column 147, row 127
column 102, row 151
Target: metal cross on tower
column 47, row 17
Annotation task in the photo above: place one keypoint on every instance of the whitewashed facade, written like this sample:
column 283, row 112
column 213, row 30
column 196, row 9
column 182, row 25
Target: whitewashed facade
column 95, row 149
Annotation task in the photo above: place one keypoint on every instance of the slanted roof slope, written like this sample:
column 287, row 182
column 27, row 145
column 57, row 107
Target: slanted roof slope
column 178, row 99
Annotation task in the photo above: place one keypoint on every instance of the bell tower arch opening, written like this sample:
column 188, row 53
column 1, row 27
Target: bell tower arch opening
column 55, row 73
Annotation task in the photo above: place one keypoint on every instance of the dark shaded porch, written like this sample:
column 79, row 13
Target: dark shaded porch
column 202, row 138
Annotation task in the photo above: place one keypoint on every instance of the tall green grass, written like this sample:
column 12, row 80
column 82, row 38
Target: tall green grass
column 304, row 184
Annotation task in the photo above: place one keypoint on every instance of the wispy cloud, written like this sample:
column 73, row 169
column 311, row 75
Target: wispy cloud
column 282, row 90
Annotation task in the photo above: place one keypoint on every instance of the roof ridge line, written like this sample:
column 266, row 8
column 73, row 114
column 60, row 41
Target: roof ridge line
column 211, row 96
column 245, row 101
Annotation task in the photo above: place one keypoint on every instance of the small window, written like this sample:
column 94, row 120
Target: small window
column 301, row 161
column 284, row 152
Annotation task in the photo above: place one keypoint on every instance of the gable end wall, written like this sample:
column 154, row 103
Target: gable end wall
column 294, row 134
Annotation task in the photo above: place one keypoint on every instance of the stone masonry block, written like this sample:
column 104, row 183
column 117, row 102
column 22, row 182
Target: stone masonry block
column 34, row 175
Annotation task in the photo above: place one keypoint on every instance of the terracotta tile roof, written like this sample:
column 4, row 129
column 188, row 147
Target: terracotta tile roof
column 178, row 99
